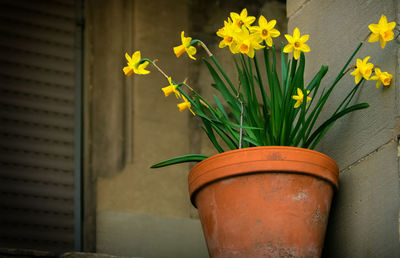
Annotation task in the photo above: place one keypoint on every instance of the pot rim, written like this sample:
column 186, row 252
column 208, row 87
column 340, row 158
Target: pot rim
column 263, row 159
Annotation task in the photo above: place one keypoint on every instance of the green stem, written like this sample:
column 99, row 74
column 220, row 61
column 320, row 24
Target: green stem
column 215, row 62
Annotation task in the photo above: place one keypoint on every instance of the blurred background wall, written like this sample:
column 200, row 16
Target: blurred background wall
column 130, row 125
column 77, row 137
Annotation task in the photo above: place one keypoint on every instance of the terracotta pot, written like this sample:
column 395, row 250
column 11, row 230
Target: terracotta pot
column 264, row 201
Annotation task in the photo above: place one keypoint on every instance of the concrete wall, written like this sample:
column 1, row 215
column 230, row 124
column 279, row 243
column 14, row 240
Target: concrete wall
column 365, row 215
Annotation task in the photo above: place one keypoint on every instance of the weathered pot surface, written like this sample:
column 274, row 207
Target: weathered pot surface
column 264, row 201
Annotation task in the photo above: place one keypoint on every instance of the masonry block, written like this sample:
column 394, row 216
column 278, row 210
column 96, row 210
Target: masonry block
column 292, row 6
column 335, row 30
column 364, row 220
column 144, row 235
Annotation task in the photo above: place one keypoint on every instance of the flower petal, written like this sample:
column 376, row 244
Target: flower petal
column 359, row 63
column 288, row 48
column 296, row 33
column 299, row 92
column 141, row 68
column 366, row 60
column 304, row 38
column 269, row 41
column 383, row 43
column 262, row 21
column 271, row 24
column 243, row 13
column 274, row 33
column 374, row 37
column 136, row 57
column 250, row 20
column 191, row 51
column 383, row 20
column 358, row 78
column 128, row 57
column 222, row 44
column 305, row 48
column 296, row 54
column 374, row 28
column 234, row 16
column 251, row 52
column 289, row 38
column 391, row 25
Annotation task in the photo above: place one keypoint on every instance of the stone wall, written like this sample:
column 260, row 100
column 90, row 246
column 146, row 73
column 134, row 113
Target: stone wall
column 131, row 210
column 365, row 215
column 129, row 127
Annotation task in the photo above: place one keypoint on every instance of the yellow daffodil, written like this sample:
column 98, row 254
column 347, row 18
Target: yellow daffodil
column 385, row 78
column 300, row 97
column 296, row 43
column 168, row 90
column 266, row 30
column 242, row 19
column 185, row 105
column 248, row 43
column 383, row 31
column 227, row 33
column 363, row 69
column 134, row 65
column 185, row 47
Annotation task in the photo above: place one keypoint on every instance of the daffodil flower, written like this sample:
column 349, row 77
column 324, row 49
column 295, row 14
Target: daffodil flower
column 363, row 69
column 185, row 105
column 296, row 43
column 248, row 43
column 242, row 19
column 383, row 31
column 266, row 30
column 227, row 33
column 171, row 88
column 300, row 97
column 185, row 47
column 134, row 65
column 385, row 77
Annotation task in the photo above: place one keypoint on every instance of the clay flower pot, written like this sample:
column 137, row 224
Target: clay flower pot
column 264, row 201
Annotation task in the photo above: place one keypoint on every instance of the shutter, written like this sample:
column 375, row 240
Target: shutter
column 37, row 84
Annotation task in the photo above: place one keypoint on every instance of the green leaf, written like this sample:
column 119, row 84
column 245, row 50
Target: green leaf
column 284, row 69
column 223, row 74
column 210, row 133
column 220, row 106
column 181, row 159
column 225, row 137
column 220, row 86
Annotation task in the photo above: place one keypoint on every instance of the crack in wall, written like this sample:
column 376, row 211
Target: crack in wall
column 366, row 157
column 294, row 13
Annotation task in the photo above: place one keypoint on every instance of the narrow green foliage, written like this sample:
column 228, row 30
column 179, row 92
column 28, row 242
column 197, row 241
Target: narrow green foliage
column 181, row 159
column 263, row 113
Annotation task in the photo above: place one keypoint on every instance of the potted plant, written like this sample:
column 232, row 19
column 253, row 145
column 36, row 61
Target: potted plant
column 267, row 192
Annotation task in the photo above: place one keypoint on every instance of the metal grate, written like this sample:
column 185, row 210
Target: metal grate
column 37, row 84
